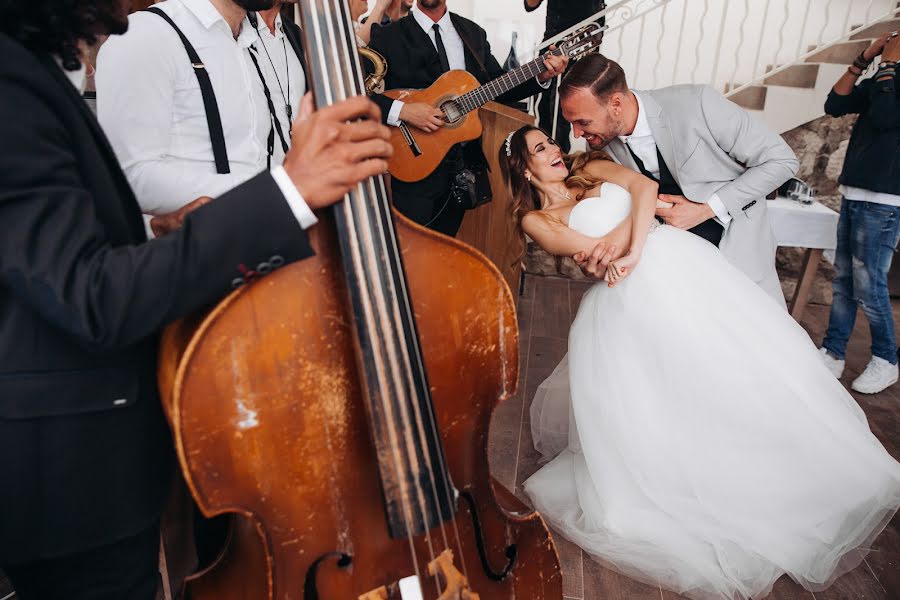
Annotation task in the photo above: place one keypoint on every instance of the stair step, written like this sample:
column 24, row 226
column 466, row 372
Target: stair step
column 877, row 30
column 751, row 98
column 841, row 54
column 799, row 76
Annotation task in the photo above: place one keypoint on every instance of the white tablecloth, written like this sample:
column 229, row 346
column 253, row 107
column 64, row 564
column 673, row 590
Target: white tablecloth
column 803, row 226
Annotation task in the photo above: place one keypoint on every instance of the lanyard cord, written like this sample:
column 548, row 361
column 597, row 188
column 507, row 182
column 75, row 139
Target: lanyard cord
column 286, row 97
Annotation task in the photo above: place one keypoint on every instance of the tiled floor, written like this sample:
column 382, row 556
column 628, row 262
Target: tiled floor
column 545, row 312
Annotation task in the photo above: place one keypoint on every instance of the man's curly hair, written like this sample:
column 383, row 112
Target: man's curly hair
column 57, row 26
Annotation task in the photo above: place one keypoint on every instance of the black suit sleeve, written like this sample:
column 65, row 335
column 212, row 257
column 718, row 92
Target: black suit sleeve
column 378, row 42
column 56, row 257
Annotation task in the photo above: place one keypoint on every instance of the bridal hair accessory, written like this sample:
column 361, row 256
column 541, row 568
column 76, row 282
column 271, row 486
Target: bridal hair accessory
column 508, row 142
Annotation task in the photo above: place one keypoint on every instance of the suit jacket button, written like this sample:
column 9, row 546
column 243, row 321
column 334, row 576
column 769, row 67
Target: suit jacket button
column 276, row 262
column 237, row 282
column 264, row 268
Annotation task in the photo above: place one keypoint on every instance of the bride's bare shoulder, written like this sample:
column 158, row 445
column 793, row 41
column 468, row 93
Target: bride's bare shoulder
column 546, row 218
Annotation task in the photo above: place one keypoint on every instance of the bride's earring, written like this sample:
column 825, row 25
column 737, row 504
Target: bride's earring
column 528, row 177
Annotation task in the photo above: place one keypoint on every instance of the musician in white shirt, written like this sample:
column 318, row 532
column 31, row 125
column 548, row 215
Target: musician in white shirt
column 282, row 67
column 151, row 108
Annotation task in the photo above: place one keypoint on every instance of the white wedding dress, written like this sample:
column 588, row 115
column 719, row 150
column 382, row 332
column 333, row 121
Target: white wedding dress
column 697, row 440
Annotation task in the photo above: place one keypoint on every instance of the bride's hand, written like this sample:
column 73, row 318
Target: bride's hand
column 621, row 268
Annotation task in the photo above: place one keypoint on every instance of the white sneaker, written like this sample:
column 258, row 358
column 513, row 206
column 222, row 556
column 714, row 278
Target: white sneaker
column 879, row 375
column 834, row 365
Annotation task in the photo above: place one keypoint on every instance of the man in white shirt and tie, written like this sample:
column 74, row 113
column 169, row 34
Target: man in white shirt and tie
column 152, row 109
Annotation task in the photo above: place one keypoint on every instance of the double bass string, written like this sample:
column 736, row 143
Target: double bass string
column 388, row 240
column 384, row 227
column 389, row 243
column 314, row 23
column 359, row 262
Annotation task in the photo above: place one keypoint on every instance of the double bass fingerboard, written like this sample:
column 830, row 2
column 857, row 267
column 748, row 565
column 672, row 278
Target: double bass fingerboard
column 418, row 494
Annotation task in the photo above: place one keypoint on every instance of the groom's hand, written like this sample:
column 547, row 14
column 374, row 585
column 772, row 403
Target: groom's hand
column 684, row 214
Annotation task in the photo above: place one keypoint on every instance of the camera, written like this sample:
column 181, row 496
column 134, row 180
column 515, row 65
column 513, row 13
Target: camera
column 471, row 188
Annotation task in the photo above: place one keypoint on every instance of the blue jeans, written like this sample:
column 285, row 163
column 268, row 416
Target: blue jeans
column 867, row 238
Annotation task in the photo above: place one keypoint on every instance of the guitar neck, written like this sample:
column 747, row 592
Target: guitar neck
column 513, row 79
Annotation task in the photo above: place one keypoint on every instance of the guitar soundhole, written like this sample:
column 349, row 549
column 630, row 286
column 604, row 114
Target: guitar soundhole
column 453, row 113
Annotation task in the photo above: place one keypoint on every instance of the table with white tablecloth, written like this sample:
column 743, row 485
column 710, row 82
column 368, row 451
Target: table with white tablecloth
column 810, row 226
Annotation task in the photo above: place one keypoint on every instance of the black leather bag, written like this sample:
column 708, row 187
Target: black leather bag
column 472, row 187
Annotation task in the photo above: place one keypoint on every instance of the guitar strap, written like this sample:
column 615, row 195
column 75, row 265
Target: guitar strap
column 465, row 38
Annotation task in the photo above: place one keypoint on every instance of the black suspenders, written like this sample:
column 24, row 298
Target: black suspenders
column 213, row 117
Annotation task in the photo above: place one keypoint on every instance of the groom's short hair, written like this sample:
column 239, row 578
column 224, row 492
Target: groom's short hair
column 597, row 73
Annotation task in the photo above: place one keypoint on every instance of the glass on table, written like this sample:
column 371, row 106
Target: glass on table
column 794, row 189
column 807, row 196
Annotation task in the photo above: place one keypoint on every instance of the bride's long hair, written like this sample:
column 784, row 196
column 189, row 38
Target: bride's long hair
column 524, row 195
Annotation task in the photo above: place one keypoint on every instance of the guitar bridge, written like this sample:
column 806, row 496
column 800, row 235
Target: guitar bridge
column 410, row 140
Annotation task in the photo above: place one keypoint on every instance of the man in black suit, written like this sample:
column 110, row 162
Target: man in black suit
column 419, row 48
column 85, row 452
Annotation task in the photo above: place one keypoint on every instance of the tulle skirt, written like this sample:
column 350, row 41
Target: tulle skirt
column 696, row 439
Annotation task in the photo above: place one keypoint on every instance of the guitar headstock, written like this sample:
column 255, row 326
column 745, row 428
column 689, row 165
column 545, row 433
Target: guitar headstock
column 583, row 41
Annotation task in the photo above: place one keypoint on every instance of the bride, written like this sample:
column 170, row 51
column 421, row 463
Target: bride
column 697, row 439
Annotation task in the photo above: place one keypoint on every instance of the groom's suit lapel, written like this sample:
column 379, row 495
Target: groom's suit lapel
column 662, row 134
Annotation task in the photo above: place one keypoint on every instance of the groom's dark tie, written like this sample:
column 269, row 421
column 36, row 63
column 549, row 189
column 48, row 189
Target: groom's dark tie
column 709, row 230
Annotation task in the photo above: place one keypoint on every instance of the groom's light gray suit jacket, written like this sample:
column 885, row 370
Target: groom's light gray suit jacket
column 711, row 145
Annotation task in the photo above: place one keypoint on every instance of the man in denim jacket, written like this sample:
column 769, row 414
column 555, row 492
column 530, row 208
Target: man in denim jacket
column 869, row 226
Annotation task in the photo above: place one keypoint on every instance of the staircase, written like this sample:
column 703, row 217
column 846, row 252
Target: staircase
column 796, row 93
column 777, row 58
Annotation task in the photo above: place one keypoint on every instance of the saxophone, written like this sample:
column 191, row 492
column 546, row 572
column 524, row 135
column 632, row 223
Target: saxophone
column 375, row 81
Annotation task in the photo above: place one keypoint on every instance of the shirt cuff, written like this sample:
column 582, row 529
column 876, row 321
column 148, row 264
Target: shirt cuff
column 718, row 207
column 298, row 205
column 545, row 84
column 394, row 114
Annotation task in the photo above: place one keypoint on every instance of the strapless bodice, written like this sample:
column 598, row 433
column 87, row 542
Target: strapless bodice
column 598, row 215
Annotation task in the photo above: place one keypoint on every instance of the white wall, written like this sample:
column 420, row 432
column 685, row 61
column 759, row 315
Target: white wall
column 679, row 41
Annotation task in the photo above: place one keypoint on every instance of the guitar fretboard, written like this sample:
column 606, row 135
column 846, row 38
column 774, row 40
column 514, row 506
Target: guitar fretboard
column 479, row 97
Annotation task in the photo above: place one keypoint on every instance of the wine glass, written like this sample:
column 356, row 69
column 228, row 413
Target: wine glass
column 794, row 189
column 807, row 196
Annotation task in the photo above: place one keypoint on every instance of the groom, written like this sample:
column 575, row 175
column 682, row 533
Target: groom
column 714, row 163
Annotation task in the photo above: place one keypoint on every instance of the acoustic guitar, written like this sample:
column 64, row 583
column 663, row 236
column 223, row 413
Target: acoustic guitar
column 459, row 95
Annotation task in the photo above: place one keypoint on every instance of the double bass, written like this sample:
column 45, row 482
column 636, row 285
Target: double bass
column 339, row 407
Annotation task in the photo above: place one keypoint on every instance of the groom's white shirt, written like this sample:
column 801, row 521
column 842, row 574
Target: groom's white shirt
column 643, row 144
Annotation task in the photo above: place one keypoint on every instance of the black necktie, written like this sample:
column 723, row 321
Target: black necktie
column 442, row 52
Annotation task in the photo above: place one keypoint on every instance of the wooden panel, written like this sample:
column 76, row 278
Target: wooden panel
column 488, row 227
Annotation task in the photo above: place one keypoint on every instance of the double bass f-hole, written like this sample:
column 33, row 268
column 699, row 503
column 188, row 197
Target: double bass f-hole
column 511, row 550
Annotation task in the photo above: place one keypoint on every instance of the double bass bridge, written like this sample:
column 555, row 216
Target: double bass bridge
column 453, row 584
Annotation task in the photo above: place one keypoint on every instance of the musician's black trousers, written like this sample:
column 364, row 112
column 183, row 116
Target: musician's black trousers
column 127, row 569
column 428, row 202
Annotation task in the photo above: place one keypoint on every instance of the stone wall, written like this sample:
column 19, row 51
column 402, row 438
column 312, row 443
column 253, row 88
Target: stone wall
column 820, row 146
